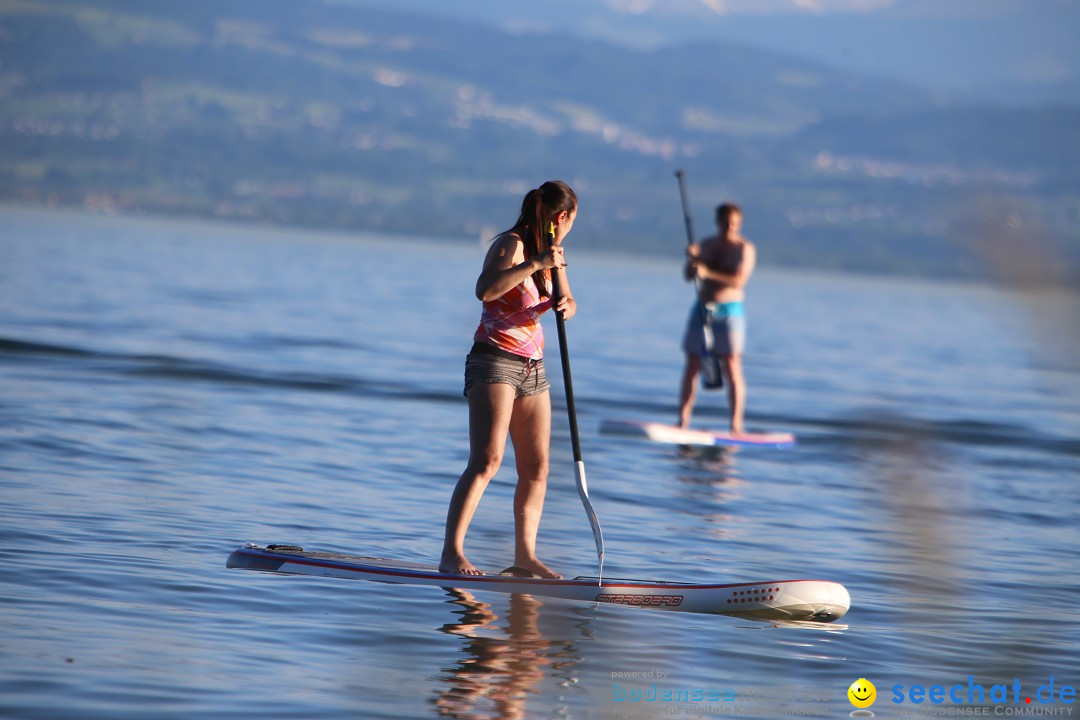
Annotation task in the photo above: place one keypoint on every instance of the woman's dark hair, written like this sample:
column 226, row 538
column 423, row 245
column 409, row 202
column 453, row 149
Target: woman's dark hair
column 539, row 208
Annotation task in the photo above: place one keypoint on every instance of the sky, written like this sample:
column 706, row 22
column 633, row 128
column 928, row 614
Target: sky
column 1006, row 51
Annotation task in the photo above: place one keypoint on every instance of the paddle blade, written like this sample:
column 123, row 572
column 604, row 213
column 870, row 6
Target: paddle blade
column 598, row 535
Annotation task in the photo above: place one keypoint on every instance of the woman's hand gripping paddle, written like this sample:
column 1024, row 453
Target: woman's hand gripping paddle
column 575, row 440
column 712, row 377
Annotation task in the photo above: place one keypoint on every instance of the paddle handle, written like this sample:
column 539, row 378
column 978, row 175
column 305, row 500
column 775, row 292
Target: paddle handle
column 564, row 355
column 681, row 175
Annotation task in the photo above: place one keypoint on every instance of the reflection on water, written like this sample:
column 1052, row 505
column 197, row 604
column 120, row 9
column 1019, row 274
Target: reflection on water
column 718, row 460
column 710, row 484
column 499, row 665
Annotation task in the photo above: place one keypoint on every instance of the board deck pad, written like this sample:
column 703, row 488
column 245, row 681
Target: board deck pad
column 808, row 600
column 659, row 432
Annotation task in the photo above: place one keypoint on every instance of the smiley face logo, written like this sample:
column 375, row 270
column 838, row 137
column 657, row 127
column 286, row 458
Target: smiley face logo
column 862, row 693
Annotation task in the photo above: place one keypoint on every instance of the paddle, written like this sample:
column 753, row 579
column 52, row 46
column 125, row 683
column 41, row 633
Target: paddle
column 575, row 440
column 710, row 370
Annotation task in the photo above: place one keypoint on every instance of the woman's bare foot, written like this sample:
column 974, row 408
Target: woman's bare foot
column 538, row 568
column 456, row 564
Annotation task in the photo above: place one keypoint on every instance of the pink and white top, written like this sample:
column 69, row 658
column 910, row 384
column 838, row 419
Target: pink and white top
column 511, row 322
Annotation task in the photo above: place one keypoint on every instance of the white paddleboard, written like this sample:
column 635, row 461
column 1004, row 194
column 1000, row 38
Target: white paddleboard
column 803, row 600
column 658, row 432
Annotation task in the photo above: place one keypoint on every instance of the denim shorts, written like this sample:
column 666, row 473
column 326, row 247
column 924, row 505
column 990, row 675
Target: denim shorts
column 526, row 376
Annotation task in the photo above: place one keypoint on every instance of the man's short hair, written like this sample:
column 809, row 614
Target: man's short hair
column 724, row 211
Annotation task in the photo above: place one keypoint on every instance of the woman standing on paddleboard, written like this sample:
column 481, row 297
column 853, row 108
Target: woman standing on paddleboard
column 505, row 381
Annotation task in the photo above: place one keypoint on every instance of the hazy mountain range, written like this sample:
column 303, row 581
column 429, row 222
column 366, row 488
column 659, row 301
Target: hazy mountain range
column 1004, row 51
column 352, row 115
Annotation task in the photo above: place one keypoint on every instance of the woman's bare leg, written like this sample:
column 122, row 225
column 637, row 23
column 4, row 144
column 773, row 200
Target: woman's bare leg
column 491, row 406
column 530, row 431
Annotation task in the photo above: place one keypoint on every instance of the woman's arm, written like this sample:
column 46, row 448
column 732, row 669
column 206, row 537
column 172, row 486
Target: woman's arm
column 505, row 266
column 567, row 305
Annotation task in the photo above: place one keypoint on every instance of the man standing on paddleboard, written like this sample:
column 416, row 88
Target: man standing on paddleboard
column 505, row 381
column 716, row 330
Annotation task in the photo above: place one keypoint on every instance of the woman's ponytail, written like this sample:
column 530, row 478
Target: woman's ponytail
column 540, row 207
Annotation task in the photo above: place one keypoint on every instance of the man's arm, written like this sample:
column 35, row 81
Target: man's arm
column 693, row 259
column 737, row 279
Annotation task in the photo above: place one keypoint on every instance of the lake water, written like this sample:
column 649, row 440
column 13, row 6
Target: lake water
column 170, row 391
